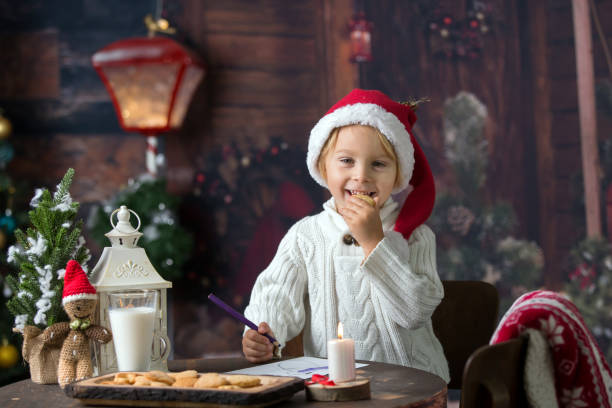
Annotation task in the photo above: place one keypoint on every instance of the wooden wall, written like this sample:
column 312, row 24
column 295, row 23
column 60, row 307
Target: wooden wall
column 275, row 67
column 526, row 77
column 405, row 66
column 567, row 211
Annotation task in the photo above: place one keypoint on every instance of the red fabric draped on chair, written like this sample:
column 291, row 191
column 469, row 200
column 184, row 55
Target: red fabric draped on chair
column 582, row 376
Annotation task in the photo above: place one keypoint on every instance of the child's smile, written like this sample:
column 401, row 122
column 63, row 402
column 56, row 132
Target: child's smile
column 358, row 164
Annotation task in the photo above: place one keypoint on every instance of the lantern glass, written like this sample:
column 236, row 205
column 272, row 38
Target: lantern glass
column 143, row 92
column 191, row 79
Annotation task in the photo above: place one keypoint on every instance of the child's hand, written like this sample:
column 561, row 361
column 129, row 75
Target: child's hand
column 256, row 347
column 364, row 222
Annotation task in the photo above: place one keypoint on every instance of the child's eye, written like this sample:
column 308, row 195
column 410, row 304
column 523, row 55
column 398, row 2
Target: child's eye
column 379, row 164
column 346, row 160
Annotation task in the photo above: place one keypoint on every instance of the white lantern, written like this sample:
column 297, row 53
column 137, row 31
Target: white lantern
column 122, row 266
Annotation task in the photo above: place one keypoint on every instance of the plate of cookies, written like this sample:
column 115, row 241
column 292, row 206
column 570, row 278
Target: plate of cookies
column 173, row 389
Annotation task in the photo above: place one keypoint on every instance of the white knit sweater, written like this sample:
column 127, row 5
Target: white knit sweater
column 385, row 304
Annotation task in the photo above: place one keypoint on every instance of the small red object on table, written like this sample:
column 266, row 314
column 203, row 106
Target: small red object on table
column 319, row 379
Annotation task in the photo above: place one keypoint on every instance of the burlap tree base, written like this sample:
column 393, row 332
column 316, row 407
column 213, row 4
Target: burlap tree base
column 43, row 358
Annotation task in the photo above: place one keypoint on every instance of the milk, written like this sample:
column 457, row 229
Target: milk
column 133, row 337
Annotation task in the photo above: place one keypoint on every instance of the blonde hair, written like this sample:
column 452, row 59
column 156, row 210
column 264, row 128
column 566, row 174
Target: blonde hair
column 330, row 144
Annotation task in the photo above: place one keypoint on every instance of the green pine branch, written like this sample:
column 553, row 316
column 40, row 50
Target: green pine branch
column 52, row 219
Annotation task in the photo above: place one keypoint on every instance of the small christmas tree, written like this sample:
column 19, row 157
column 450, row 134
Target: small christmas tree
column 475, row 236
column 41, row 254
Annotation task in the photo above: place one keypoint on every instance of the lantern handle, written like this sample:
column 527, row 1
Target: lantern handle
column 130, row 210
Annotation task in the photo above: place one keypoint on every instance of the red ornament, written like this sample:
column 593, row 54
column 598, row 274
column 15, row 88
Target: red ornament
column 151, row 81
column 447, row 20
column 361, row 38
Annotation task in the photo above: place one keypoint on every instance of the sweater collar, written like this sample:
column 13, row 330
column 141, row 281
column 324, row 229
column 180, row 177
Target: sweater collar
column 388, row 215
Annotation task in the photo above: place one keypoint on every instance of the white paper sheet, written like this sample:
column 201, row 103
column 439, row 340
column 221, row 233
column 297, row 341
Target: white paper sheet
column 302, row 367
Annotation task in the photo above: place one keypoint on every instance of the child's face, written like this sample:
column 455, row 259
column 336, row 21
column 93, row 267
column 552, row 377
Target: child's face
column 358, row 164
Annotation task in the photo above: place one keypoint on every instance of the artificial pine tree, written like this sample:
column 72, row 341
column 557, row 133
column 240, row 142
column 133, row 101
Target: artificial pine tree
column 475, row 236
column 41, row 254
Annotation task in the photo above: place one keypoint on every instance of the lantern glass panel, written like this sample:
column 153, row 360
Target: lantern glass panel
column 143, row 92
column 188, row 85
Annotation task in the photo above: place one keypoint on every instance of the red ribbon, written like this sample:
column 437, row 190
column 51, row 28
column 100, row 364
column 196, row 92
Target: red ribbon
column 319, row 379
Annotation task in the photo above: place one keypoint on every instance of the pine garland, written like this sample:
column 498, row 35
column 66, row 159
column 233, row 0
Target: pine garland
column 41, row 254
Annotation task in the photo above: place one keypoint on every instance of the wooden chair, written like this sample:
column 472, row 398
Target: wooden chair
column 464, row 321
column 294, row 347
column 493, row 376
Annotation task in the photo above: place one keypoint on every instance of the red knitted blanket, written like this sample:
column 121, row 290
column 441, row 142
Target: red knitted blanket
column 582, row 375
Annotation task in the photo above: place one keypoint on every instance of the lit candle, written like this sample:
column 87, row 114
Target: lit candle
column 341, row 358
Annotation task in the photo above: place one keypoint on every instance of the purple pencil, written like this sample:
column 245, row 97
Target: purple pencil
column 240, row 317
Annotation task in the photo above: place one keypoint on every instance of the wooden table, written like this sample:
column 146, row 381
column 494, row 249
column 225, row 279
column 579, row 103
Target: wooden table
column 391, row 386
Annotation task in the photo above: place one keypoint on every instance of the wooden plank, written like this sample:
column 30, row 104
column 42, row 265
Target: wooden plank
column 102, row 162
column 571, row 227
column 563, row 95
column 272, row 17
column 560, row 21
column 30, row 65
column 588, row 117
column 343, row 75
column 567, row 161
column 271, row 390
column 260, row 88
column 263, row 52
column 566, row 197
column 563, row 59
column 74, row 15
column 541, row 120
column 565, row 129
column 68, row 115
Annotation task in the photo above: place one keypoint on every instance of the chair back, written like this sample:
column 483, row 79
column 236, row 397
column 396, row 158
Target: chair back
column 493, row 376
column 464, row 321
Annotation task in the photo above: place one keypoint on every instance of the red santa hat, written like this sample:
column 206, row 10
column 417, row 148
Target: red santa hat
column 395, row 121
column 76, row 284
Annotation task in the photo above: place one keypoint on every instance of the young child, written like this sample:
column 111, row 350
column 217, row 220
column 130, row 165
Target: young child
column 371, row 268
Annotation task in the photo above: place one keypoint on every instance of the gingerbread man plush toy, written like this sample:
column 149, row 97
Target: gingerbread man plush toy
column 79, row 301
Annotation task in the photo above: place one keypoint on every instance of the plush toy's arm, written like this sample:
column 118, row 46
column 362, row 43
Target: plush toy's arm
column 29, row 332
column 29, row 338
column 56, row 333
column 99, row 334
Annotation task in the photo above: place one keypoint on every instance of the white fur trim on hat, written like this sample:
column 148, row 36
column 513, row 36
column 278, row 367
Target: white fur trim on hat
column 72, row 298
column 363, row 114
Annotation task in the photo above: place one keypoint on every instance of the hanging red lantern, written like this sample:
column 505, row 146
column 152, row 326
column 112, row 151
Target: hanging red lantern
column 151, row 81
column 361, row 38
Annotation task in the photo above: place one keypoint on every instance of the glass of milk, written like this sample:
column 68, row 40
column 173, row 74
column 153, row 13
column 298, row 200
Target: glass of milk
column 132, row 316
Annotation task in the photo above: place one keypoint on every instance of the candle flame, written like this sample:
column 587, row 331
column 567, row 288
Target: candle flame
column 340, row 330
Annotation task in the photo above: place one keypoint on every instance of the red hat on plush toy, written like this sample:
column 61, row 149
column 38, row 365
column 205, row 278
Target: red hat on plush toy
column 76, row 284
column 395, row 121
